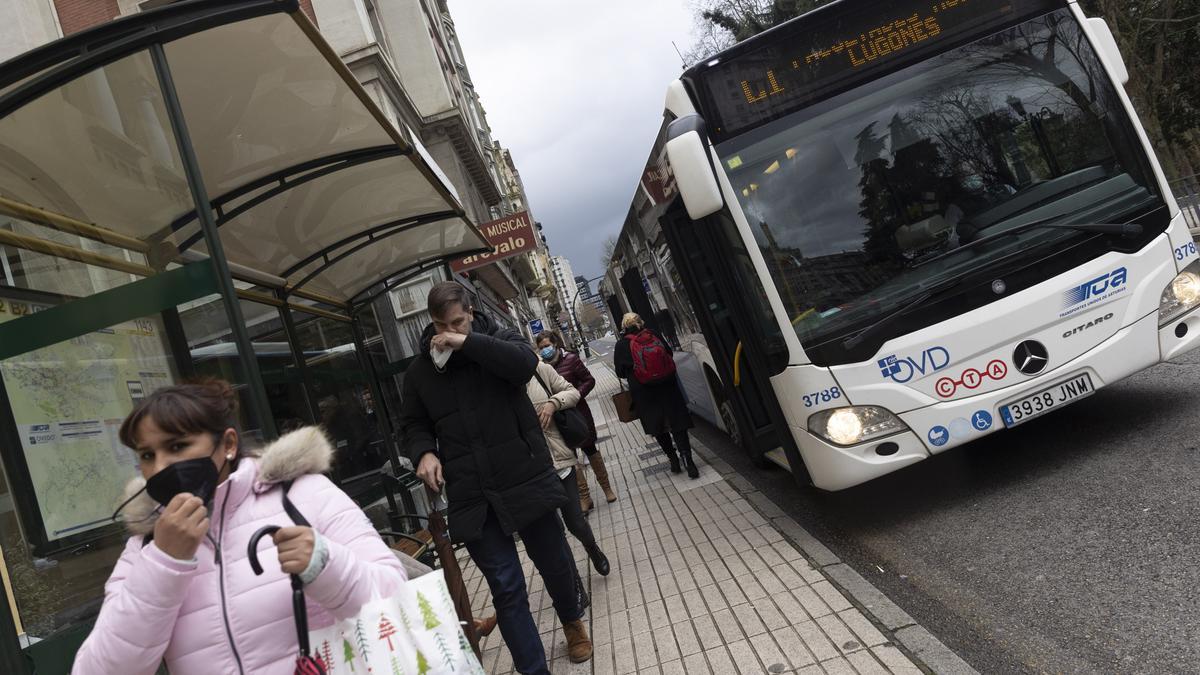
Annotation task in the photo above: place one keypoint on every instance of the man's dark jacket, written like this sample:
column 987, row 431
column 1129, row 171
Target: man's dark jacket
column 477, row 418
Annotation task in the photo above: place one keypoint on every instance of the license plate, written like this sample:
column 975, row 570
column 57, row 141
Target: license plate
column 1025, row 409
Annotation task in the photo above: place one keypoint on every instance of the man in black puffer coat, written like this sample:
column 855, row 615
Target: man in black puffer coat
column 467, row 424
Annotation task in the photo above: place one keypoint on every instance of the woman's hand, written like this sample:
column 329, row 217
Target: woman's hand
column 181, row 526
column 295, row 547
column 546, row 414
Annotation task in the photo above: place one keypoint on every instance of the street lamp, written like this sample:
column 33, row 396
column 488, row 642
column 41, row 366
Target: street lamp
column 575, row 315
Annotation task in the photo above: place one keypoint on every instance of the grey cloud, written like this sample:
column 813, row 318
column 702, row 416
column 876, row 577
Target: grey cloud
column 577, row 96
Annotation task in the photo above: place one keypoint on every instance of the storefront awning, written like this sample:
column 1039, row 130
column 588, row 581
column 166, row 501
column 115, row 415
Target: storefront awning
column 313, row 188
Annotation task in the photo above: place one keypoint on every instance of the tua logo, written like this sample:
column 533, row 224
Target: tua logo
column 903, row 369
column 1095, row 288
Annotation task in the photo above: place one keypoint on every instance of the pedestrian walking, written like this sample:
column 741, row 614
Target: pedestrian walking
column 183, row 591
column 550, row 393
column 643, row 358
column 574, row 370
column 469, row 427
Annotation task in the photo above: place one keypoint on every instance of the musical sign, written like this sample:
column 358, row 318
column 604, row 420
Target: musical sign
column 509, row 236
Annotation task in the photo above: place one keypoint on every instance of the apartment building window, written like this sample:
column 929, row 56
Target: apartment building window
column 377, row 26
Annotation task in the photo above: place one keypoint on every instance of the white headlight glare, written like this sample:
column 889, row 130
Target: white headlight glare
column 1181, row 295
column 855, row 424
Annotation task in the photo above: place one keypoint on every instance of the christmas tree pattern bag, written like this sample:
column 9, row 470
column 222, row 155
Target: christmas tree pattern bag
column 415, row 632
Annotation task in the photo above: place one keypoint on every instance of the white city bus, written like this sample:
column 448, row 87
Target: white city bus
column 925, row 221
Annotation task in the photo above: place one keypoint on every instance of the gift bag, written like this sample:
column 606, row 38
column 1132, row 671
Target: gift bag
column 413, row 632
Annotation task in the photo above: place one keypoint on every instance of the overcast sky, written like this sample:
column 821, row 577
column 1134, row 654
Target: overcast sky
column 575, row 91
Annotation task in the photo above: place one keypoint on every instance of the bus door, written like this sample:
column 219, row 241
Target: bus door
column 733, row 312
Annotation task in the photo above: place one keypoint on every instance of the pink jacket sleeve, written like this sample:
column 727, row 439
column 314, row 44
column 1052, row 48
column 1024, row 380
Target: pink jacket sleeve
column 361, row 567
column 141, row 603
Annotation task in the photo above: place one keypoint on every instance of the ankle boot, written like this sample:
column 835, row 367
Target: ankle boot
column 599, row 560
column 585, row 495
column 674, row 459
column 579, row 645
column 597, row 462
column 690, row 465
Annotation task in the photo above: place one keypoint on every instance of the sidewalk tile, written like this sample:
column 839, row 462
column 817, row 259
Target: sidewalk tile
column 836, row 601
column 867, row 633
column 839, row 634
column 866, row 664
column 895, row 660
column 744, row 659
column 625, row 657
column 838, row 666
column 816, row 641
column 696, row 664
column 664, row 644
column 685, row 638
column 719, row 661
column 728, row 626
column 751, row 624
column 768, row 651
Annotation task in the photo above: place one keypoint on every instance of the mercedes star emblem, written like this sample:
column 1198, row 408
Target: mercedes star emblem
column 1030, row 357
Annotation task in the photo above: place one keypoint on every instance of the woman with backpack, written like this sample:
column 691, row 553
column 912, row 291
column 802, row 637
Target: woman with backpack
column 572, row 368
column 183, row 591
column 643, row 358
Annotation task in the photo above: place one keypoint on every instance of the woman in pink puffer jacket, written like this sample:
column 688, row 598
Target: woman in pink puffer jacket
column 183, row 590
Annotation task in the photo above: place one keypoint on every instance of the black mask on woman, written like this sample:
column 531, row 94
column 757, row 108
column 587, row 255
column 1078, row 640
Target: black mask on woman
column 198, row 477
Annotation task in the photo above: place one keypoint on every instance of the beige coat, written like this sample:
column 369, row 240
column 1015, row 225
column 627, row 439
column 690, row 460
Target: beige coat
column 565, row 395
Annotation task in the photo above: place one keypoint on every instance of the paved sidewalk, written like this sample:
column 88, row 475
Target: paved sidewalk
column 703, row 580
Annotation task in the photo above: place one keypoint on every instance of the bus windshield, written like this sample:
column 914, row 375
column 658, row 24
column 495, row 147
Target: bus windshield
column 861, row 202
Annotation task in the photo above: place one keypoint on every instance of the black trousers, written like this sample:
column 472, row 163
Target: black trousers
column 572, row 513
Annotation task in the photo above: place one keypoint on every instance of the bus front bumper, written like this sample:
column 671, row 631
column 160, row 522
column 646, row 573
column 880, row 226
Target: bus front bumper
column 935, row 428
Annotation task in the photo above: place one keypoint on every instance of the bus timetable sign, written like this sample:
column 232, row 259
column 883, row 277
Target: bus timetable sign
column 509, row 236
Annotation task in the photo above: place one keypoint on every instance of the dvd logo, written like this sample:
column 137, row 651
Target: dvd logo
column 904, row 369
column 1096, row 287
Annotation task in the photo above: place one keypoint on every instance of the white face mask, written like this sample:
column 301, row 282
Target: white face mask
column 440, row 357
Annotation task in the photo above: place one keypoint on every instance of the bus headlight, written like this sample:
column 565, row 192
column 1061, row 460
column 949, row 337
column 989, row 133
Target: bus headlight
column 1181, row 295
column 855, row 424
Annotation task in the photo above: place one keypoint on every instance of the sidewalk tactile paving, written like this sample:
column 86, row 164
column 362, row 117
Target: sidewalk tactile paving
column 701, row 582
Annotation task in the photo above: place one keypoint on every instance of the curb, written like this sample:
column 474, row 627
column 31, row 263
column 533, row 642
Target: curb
column 921, row 645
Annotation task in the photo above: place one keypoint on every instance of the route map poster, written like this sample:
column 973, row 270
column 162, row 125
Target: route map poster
column 68, row 401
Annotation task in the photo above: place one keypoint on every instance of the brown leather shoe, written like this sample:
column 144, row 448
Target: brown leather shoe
column 485, row 626
column 579, row 645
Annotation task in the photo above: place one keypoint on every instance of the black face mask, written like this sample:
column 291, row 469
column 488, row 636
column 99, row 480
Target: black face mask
column 198, row 477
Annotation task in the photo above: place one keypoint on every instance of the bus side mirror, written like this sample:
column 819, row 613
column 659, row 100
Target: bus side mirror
column 1106, row 44
column 688, row 156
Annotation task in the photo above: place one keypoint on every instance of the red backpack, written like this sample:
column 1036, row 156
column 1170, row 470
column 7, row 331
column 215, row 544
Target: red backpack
column 652, row 361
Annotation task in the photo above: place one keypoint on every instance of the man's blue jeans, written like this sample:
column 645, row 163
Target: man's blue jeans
column 495, row 553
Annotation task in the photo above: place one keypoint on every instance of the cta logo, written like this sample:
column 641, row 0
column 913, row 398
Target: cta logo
column 903, row 369
column 1089, row 293
column 971, row 378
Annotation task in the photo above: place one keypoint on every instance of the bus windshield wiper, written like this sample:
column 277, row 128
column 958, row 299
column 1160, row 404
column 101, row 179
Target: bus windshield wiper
column 911, row 304
column 1123, row 229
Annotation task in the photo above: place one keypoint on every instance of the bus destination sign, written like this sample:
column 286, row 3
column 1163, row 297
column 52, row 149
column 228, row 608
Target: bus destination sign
column 802, row 62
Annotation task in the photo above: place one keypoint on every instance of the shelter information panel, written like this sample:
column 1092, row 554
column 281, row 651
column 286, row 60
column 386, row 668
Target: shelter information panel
column 67, row 402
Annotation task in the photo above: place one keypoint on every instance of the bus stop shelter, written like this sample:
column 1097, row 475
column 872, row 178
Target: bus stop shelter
column 202, row 189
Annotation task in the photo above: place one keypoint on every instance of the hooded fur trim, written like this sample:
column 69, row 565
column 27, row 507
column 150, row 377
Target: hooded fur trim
column 295, row 454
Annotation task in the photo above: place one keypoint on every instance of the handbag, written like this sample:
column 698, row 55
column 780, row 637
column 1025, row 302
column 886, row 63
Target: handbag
column 570, row 422
column 623, row 402
column 415, row 630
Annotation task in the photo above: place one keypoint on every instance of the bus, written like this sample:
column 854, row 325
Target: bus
column 906, row 224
